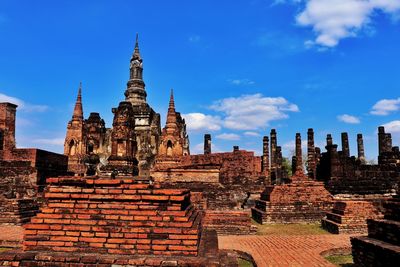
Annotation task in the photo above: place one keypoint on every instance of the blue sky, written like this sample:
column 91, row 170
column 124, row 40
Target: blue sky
column 238, row 68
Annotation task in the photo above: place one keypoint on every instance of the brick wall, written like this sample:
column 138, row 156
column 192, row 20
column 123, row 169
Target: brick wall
column 121, row 216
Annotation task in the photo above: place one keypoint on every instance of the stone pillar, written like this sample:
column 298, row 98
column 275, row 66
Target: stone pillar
column 360, row 148
column 279, row 162
column 317, row 157
column 381, row 140
column 207, row 144
column 311, row 161
column 299, row 156
column 265, row 158
column 388, row 142
column 273, row 148
column 329, row 140
column 345, row 145
column 7, row 126
column 334, row 164
column 294, row 165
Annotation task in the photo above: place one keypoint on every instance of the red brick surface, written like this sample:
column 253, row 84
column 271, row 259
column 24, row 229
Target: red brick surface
column 91, row 215
column 282, row 251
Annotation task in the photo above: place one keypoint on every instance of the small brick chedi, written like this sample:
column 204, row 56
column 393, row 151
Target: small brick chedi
column 299, row 199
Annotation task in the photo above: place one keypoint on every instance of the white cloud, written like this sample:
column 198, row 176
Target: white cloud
column 241, row 82
column 250, row 112
column 385, row 106
column 393, row 127
column 251, row 133
column 348, row 119
column 199, row 149
column 202, row 122
column 59, row 141
column 333, row 20
column 228, row 136
column 22, row 105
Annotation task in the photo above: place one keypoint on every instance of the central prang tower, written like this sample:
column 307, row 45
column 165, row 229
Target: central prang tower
column 136, row 133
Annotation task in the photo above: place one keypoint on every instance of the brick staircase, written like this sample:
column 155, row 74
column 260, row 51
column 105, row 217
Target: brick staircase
column 382, row 245
column 350, row 216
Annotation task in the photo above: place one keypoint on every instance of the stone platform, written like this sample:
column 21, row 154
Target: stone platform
column 98, row 218
column 382, row 245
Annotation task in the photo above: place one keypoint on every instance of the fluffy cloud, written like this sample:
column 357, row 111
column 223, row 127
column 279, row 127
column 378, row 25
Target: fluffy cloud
column 333, row 20
column 22, row 105
column 50, row 141
column 241, row 82
column 393, row 127
column 385, row 106
column 199, row 149
column 251, row 133
column 251, row 112
column 228, row 136
column 348, row 119
column 202, row 122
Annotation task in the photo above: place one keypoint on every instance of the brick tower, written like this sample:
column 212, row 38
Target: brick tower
column 174, row 139
column 146, row 124
column 75, row 140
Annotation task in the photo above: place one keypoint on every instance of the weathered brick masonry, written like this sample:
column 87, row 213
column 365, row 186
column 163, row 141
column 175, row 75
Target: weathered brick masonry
column 297, row 202
column 350, row 216
column 382, row 245
column 126, row 221
column 118, row 216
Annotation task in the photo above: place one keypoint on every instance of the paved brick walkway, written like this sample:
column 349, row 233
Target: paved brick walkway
column 281, row 251
column 10, row 236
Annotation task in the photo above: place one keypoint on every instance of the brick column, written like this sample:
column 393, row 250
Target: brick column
column 311, row 162
column 273, row 148
column 381, row 139
column 279, row 165
column 360, row 148
column 207, row 144
column 265, row 158
column 329, row 140
column 299, row 156
column 345, row 145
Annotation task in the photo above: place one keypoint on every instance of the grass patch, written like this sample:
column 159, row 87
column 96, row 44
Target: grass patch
column 244, row 263
column 290, row 229
column 341, row 260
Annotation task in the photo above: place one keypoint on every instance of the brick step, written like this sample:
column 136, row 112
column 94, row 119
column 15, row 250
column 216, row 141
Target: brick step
column 337, row 228
column 371, row 252
column 334, row 217
column 262, row 204
column 385, row 230
column 258, row 215
column 392, row 210
column 338, row 211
